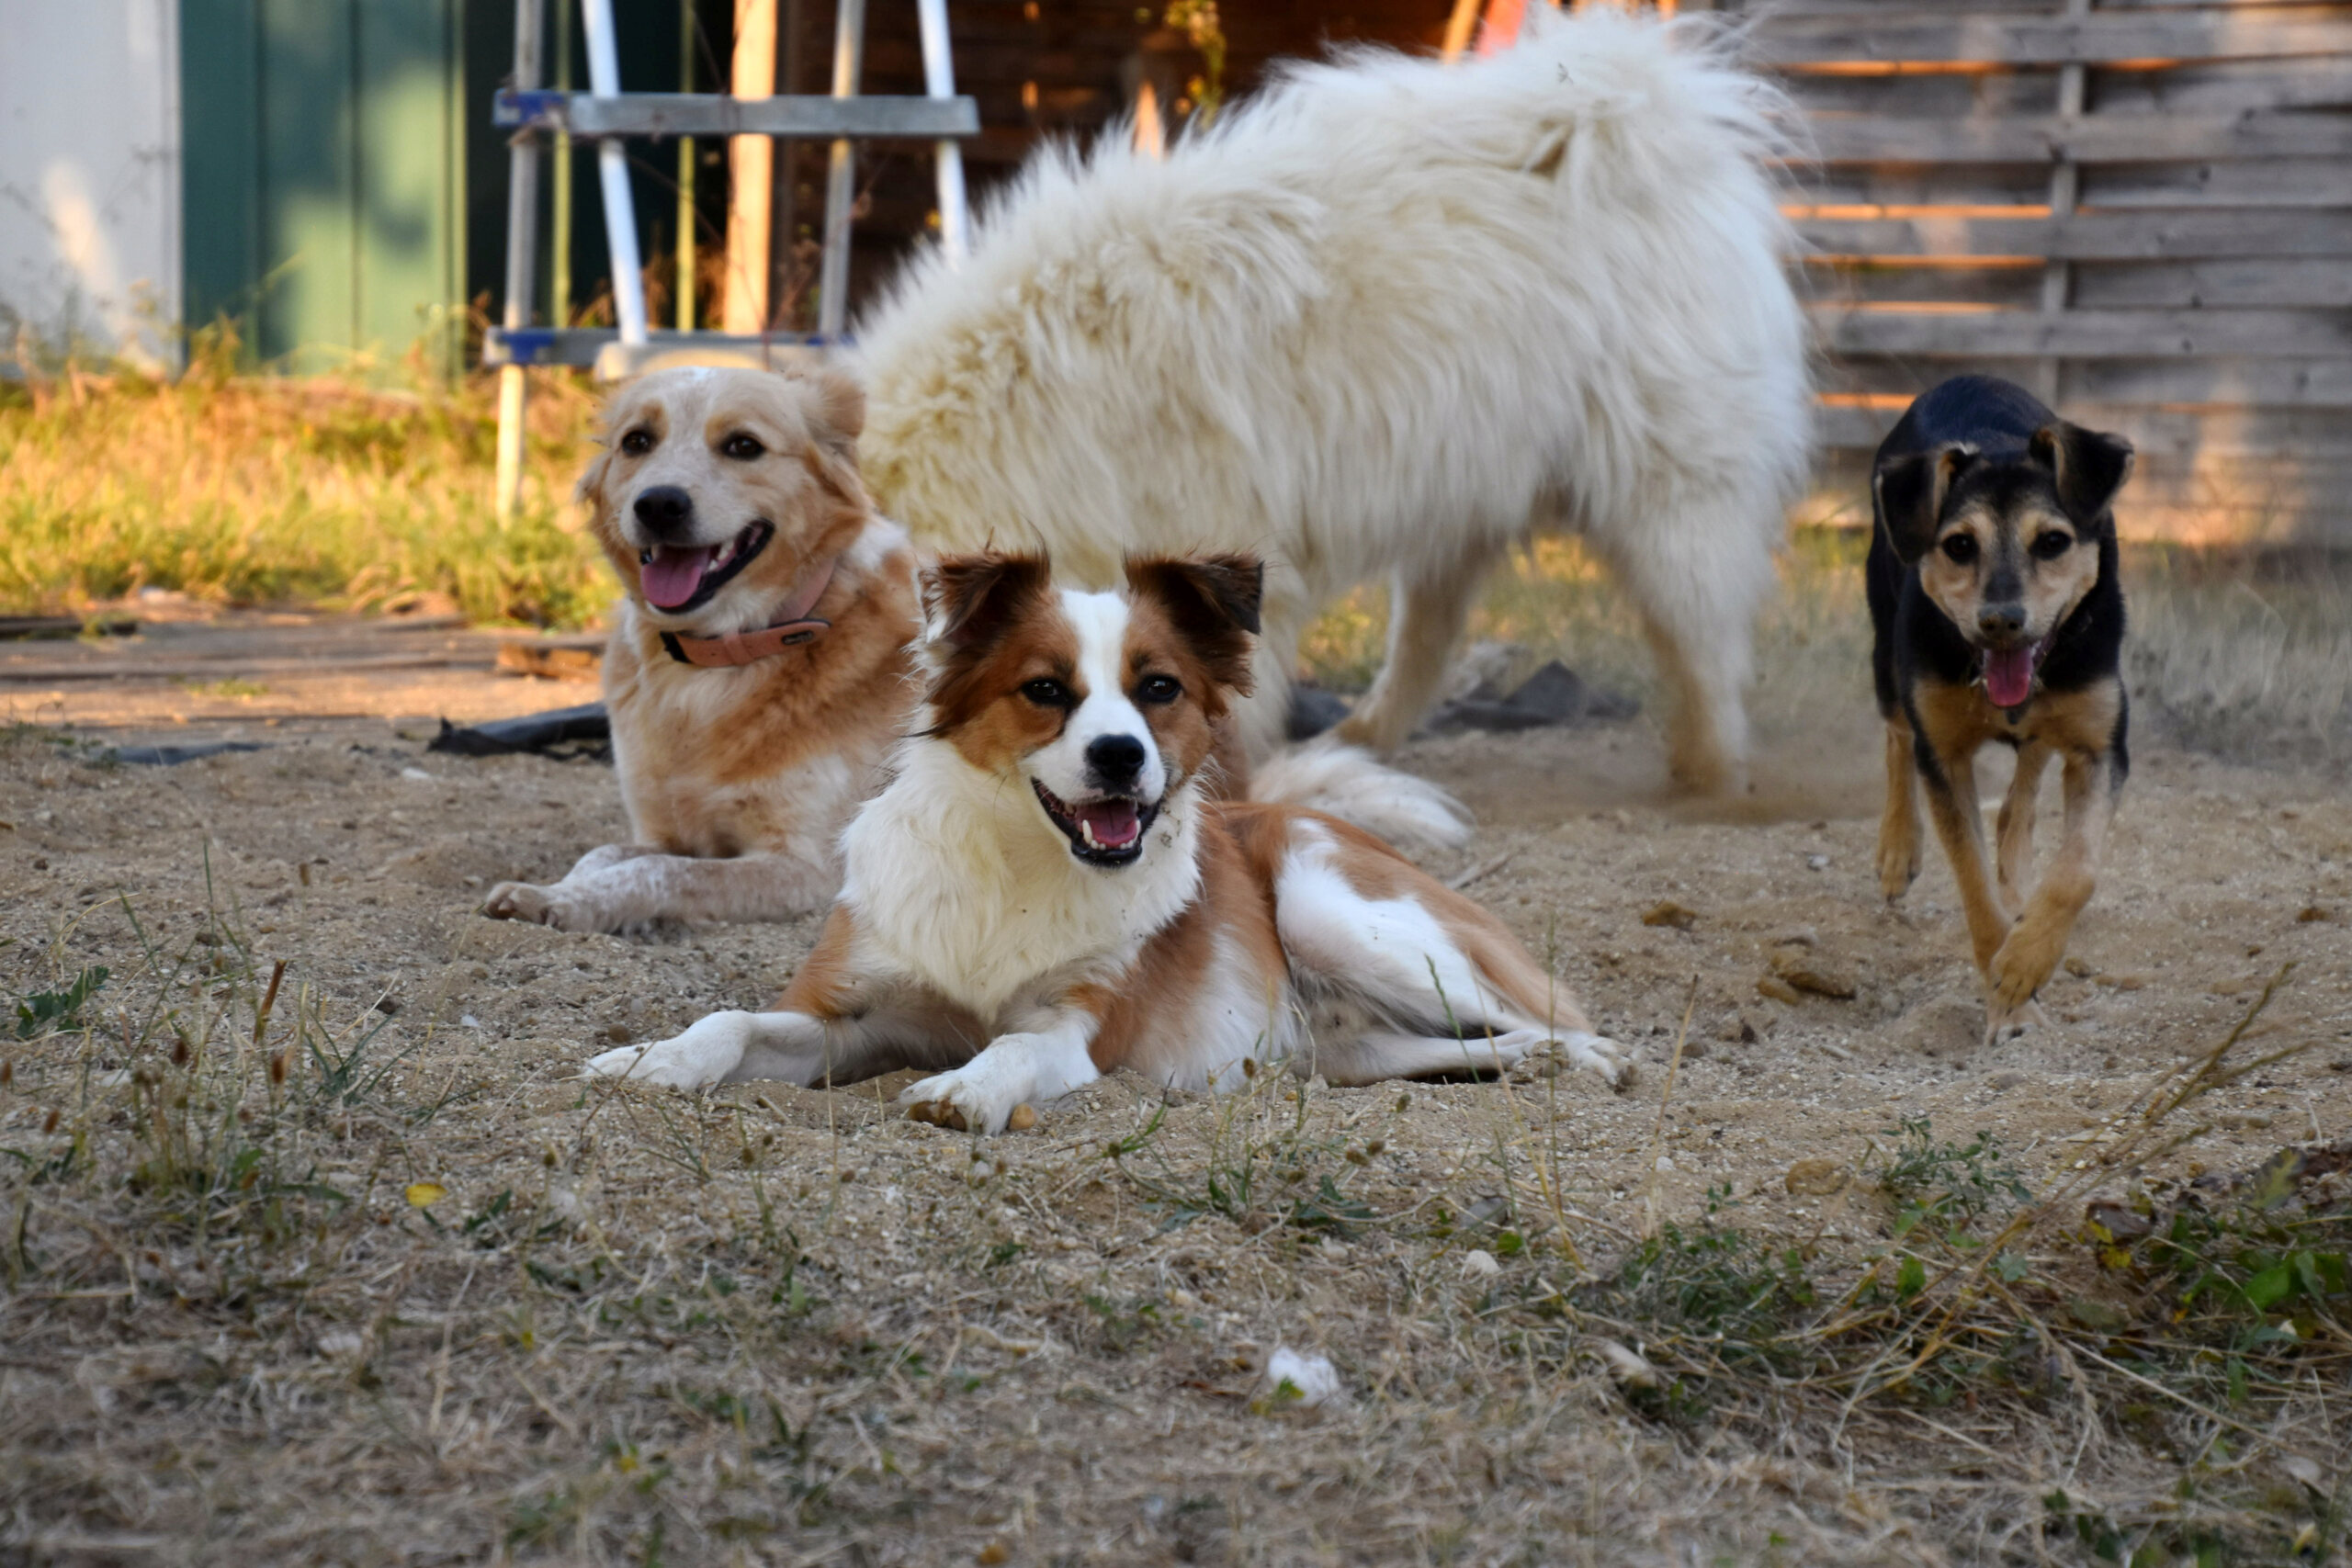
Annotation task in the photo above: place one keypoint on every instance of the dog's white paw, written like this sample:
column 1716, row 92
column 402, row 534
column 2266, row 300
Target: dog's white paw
column 966, row 1101
column 525, row 901
column 1598, row 1053
column 705, row 1055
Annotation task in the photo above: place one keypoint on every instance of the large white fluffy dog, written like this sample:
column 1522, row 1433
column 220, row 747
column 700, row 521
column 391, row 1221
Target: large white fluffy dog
column 1388, row 319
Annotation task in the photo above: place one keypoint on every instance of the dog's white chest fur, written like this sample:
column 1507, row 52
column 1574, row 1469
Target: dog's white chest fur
column 956, row 880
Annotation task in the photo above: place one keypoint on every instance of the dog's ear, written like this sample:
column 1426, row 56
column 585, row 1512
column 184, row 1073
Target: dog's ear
column 969, row 601
column 590, row 491
column 1214, row 603
column 841, row 408
column 2088, row 467
column 836, row 412
column 1908, row 495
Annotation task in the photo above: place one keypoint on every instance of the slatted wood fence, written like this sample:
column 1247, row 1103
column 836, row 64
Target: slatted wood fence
column 2141, row 210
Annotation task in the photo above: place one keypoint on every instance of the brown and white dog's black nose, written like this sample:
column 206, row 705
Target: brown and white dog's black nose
column 1113, row 761
column 666, row 512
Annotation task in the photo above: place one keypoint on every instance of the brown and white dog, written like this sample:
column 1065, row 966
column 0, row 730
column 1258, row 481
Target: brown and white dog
column 1049, row 887
column 757, row 672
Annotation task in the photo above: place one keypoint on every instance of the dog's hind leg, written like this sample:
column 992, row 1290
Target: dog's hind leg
column 1426, row 981
column 2013, row 834
column 1426, row 616
column 1898, row 825
column 1698, row 578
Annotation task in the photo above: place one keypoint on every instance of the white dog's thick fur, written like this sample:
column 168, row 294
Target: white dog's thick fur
column 1387, row 319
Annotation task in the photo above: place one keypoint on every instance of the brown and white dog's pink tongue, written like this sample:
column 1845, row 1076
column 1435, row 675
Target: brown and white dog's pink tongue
column 671, row 577
column 2009, row 674
column 1113, row 824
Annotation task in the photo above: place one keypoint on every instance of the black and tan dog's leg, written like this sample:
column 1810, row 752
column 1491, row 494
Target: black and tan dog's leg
column 1953, row 806
column 2013, row 832
column 1898, row 825
column 2037, row 940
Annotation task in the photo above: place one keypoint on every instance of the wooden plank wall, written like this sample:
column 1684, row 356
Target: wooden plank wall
column 1041, row 69
column 2140, row 209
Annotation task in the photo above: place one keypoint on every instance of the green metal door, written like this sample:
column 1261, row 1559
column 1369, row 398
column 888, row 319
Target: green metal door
column 325, row 180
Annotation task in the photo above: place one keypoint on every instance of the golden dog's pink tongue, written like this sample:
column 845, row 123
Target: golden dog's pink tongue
column 1113, row 824
column 2009, row 675
column 671, row 577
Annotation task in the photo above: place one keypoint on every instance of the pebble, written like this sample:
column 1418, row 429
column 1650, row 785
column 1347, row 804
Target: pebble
column 1809, row 974
column 1023, row 1117
column 1670, row 913
column 1814, row 1177
column 1480, row 1265
column 1780, row 990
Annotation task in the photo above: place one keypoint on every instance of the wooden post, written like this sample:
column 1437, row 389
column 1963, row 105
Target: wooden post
column 522, row 229
column 751, row 173
column 1458, row 28
column 685, row 174
column 2065, row 190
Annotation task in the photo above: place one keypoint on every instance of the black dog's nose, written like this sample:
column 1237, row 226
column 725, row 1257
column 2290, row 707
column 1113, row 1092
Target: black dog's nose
column 2001, row 620
column 1115, row 758
column 665, row 510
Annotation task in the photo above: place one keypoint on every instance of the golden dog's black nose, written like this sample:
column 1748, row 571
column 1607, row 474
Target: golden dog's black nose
column 666, row 511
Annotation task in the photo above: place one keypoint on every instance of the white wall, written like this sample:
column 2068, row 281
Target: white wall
column 90, row 173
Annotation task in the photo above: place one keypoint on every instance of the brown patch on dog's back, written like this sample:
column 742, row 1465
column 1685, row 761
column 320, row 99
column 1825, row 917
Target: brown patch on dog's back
column 1146, row 1014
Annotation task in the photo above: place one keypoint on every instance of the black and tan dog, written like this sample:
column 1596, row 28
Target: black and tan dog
column 1998, row 616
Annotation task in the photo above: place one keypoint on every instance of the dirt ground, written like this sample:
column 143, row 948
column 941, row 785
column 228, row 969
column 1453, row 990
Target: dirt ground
column 786, row 1325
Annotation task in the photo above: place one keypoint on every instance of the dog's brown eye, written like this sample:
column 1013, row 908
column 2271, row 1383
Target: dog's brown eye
column 2051, row 545
column 1961, row 548
column 637, row 443
column 1159, row 689
column 741, row 447
column 1048, row 694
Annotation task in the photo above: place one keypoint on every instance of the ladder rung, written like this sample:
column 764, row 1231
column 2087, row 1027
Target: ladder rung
column 582, row 345
column 715, row 114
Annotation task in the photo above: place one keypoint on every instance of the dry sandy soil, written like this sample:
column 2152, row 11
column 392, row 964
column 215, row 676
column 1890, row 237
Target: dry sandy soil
column 453, row 1304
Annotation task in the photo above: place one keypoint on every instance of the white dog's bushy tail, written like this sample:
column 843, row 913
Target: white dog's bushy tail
column 1349, row 783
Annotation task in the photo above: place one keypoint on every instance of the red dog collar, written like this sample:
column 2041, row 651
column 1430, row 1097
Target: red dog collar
column 749, row 648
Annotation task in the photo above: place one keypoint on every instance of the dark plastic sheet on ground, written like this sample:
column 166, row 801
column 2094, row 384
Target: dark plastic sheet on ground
column 1554, row 694
column 574, row 731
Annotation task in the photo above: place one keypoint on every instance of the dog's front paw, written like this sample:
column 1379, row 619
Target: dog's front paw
column 2025, row 959
column 964, row 1100
column 1898, row 862
column 2005, row 1023
column 705, row 1055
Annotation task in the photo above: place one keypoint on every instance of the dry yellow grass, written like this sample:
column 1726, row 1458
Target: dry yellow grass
column 262, row 491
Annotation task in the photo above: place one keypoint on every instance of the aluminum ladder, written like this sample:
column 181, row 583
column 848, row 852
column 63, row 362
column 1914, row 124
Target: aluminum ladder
column 607, row 114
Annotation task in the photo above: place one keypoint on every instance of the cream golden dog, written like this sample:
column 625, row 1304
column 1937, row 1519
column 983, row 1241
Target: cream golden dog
column 757, row 670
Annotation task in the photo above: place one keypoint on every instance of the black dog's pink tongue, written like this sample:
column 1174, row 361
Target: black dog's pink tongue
column 2009, row 675
column 671, row 577
column 1114, row 824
